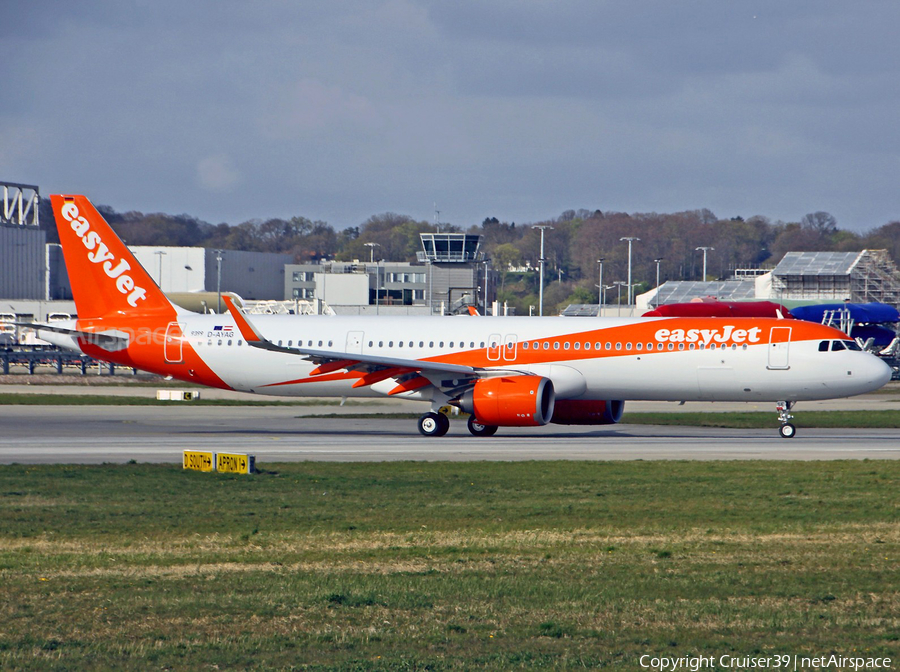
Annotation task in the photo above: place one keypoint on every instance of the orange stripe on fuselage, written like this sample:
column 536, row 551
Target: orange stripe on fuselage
column 708, row 331
column 347, row 375
column 655, row 337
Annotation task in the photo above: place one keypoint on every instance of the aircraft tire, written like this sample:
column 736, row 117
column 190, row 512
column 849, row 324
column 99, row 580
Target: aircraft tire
column 787, row 431
column 477, row 429
column 433, row 424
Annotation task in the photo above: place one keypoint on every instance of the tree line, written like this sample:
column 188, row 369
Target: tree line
column 573, row 245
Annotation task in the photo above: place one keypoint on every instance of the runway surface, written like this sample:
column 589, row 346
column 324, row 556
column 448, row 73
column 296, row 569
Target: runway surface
column 96, row 434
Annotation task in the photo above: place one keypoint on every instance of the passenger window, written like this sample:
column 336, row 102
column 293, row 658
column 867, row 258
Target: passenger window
column 566, row 345
column 692, row 346
column 524, row 345
column 430, row 344
column 618, row 346
column 650, row 346
column 370, row 344
column 380, row 344
column 681, row 346
column 421, row 344
column 556, row 345
column 671, row 346
column 587, row 346
column 399, row 344
column 451, row 344
column 390, row 344
column 577, row 345
column 240, row 343
column 330, row 343
column 229, row 341
column 320, row 344
column 639, row 346
column 482, row 345
column 546, row 345
column 628, row 346
column 441, row 344
column 608, row 346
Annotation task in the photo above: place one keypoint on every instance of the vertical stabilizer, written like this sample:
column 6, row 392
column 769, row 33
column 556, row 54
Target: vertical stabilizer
column 105, row 276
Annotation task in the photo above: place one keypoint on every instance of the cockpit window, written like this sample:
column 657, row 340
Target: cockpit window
column 823, row 346
column 852, row 345
column 837, row 345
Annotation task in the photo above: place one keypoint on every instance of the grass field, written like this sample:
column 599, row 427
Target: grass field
column 445, row 565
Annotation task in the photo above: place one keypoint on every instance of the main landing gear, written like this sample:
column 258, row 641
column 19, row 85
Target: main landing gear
column 433, row 424
column 437, row 424
column 787, row 430
column 477, row 429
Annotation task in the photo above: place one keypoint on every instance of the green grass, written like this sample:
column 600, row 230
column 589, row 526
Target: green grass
column 445, row 565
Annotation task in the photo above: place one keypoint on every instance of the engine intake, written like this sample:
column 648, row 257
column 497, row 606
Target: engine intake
column 510, row 401
column 587, row 412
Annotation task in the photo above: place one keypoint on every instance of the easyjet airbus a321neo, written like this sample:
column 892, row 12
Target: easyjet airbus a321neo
column 504, row 372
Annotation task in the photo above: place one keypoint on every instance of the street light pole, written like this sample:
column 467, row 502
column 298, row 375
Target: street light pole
column 630, row 240
column 486, row 262
column 542, row 227
column 600, row 286
column 219, row 280
column 705, row 250
column 161, row 255
column 371, row 247
column 605, row 287
column 619, row 283
column 656, row 261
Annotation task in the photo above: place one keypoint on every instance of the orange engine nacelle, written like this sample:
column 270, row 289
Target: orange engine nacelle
column 587, row 412
column 510, row 401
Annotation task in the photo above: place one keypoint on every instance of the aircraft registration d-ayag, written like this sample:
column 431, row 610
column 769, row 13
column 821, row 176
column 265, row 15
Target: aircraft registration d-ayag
column 503, row 371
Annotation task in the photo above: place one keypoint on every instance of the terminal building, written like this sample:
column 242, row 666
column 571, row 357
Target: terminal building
column 450, row 274
column 800, row 277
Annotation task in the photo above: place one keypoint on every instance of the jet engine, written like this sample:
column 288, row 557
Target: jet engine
column 510, row 401
column 587, row 412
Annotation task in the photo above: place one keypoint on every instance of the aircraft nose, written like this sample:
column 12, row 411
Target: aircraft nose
column 878, row 372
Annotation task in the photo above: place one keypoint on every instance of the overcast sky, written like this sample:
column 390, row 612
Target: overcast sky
column 517, row 109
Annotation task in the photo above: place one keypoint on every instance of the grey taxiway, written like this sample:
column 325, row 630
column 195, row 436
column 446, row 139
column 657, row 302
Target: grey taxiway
column 96, row 434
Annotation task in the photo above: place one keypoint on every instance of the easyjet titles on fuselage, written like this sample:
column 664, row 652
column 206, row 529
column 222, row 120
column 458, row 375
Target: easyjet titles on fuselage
column 707, row 336
column 100, row 254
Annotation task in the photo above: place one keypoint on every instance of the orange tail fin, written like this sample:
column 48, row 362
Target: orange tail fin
column 105, row 276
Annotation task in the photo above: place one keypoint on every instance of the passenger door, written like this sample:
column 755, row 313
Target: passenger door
column 779, row 348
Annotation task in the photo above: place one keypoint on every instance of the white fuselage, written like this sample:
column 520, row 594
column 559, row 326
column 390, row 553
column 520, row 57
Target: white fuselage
column 621, row 368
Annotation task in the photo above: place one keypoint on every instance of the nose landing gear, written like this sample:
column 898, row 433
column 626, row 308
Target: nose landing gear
column 787, row 429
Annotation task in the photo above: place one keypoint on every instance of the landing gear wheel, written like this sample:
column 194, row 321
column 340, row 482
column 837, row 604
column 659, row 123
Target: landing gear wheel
column 478, row 429
column 787, row 431
column 433, row 424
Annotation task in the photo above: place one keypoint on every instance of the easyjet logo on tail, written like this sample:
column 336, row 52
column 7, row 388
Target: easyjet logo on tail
column 98, row 253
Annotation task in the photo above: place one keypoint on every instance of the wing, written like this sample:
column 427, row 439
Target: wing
column 411, row 374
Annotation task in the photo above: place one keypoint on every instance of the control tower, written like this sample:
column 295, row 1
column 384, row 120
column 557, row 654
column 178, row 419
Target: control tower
column 459, row 274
